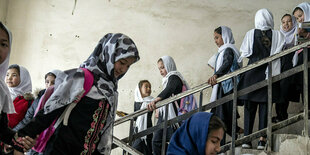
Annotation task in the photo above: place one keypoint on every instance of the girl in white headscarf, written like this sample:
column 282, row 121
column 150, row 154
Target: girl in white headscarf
column 142, row 99
column 258, row 44
column 226, row 62
column 7, row 135
column 289, row 91
column 302, row 14
column 172, row 83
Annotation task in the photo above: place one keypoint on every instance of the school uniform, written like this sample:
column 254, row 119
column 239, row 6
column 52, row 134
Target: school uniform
column 85, row 125
column 226, row 62
column 143, row 144
column 172, row 84
column 258, row 44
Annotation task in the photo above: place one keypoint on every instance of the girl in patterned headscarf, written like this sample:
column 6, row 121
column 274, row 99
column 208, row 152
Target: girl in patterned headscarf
column 226, row 62
column 86, row 121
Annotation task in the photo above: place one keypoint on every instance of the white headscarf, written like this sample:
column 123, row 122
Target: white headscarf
column 263, row 21
column 290, row 35
column 229, row 42
column 171, row 70
column 6, row 103
column 141, row 122
column 24, row 86
column 305, row 6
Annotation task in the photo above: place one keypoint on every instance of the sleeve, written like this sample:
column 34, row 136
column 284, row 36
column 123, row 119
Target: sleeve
column 172, row 86
column 40, row 122
column 29, row 115
column 228, row 59
column 7, row 135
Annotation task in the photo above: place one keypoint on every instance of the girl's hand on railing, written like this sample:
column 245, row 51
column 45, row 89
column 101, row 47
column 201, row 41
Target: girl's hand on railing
column 212, row 80
column 152, row 106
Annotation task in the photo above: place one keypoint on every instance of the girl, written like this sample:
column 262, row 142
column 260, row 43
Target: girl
column 302, row 14
column 87, row 122
column 288, row 85
column 172, row 85
column 226, row 62
column 7, row 135
column 258, row 44
column 200, row 134
column 142, row 98
column 19, row 83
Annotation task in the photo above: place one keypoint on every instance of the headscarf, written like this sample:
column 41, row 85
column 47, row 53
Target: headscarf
column 290, row 35
column 171, row 69
column 192, row 136
column 229, row 42
column 305, row 6
column 6, row 103
column 25, row 85
column 263, row 21
column 111, row 48
column 141, row 122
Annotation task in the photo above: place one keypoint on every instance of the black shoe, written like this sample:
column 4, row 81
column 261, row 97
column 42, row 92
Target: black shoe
column 261, row 145
column 275, row 120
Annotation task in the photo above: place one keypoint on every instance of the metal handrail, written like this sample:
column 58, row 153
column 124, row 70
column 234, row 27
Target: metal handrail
column 206, row 85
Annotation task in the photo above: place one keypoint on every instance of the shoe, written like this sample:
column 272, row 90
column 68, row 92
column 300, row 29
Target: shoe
column 246, row 146
column 261, row 145
column 275, row 120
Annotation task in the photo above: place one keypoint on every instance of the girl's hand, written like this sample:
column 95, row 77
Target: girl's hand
column 28, row 142
column 156, row 113
column 152, row 106
column 212, row 80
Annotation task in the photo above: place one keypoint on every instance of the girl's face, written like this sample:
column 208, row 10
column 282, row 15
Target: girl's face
column 299, row 15
column 145, row 89
column 12, row 77
column 161, row 68
column 287, row 23
column 4, row 45
column 213, row 145
column 49, row 81
column 218, row 39
column 122, row 65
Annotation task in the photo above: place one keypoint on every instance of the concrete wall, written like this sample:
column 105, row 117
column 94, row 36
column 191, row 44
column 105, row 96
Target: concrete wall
column 49, row 34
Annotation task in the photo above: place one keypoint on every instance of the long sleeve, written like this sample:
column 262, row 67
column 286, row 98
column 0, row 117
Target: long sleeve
column 40, row 122
column 228, row 59
column 29, row 115
column 174, row 86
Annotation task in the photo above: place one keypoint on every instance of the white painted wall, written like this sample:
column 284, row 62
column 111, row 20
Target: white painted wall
column 46, row 35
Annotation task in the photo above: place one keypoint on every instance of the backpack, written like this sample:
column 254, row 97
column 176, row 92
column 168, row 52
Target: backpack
column 47, row 133
column 187, row 103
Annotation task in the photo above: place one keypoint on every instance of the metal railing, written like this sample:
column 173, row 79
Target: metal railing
column 236, row 93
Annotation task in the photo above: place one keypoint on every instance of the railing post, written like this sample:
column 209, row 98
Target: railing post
column 234, row 117
column 131, row 130
column 305, row 59
column 163, row 146
column 269, row 123
column 200, row 101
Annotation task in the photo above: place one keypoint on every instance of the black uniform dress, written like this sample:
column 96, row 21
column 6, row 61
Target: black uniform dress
column 82, row 133
column 289, row 90
column 224, row 111
column 141, row 145
column 259, row 97
column 174, row 87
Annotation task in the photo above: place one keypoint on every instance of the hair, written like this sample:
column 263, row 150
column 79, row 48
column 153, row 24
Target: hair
column 218, row 30
column 297, row 8
column 3, row 28
column 215, row 124
column 160, row 59
column 141, row 83
column 15, row 66
column 286, row 15
column 49, row 74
